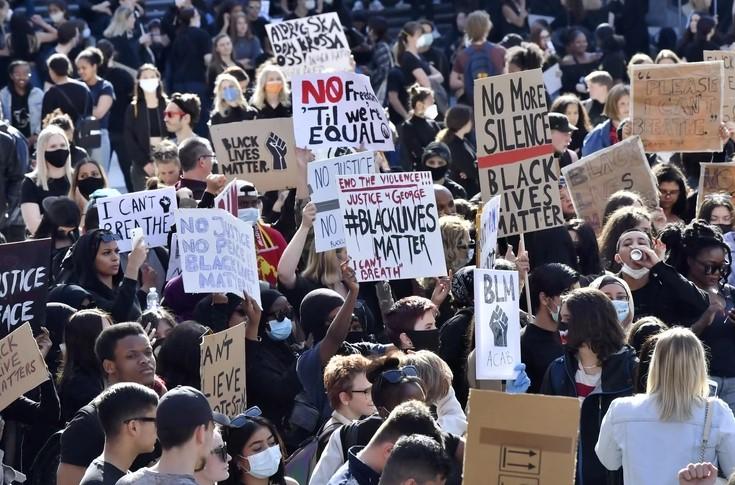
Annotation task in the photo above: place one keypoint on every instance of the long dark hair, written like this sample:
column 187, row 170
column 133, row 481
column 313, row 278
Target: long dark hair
column 236, row 439
column 684, row 242
column 83, row 258
column 80, row 334
column 179, row 357
column 588, row 253
column 139, row 95
column 666, row 172
column 594, row 322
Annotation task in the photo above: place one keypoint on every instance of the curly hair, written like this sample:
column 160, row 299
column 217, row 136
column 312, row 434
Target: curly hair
column 620, row 221
column 561, row 103
column 453, row 230
column 684, row 242
column 339, row 374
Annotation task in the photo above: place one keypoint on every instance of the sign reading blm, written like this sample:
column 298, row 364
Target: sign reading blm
column 259, row 151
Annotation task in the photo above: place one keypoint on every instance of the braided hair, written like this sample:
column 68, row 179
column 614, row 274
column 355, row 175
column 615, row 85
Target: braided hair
column 688, row 241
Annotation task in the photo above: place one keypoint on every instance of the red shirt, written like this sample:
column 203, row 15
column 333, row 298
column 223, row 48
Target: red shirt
column 269, row 246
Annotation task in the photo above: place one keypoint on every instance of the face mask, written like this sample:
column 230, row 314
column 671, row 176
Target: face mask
column 724, row 228
column 310, row 4
column 470, row 254
column 424, row 339
column 230, row 94
column 355, row 337
column 265, row 464
column 273, row 87
column 279, row 330
column 431, row 112
column 622, row 308
column 57, row 158
column 56, row 17
column 86, row 33
column 425, row 41
column 636, row 274
column 554, row 313
column 251, row 214
column 180, row 3
column 89, row 185
column 438, row 173
column 149, row 85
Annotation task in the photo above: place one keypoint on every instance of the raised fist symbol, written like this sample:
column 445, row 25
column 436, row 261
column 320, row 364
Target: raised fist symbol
column 499, row 326
column 165, row 204
column 278, row 150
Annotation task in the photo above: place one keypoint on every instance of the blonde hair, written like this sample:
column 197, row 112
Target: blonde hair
column 678, row 374
column 478, row 26
column 40, row 174
column 453, row 229
column 322, row 267
column 618, row 92
column 119, row 23
column 433, row 372
column 220, row 105
column 258, row 99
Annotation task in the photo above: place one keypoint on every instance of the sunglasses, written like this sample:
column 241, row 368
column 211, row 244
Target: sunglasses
column 144, row 419
column 221, row 452
column 108, row 236
column 171, row 114
column 394, row 376
column 240, row 420
column 709, row 269
column 283, row 314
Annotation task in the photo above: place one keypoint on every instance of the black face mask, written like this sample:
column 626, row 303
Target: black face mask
column 57, row 158
column 438, row 173
column 355, row 337
column 424, row 339
column 89, row 185
column 724, row 228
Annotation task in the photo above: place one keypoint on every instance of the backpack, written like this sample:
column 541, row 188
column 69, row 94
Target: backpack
column 301, row 463
column 479, row 65
column 43, row 468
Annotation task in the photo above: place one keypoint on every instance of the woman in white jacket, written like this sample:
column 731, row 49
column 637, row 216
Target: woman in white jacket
column 654, row 435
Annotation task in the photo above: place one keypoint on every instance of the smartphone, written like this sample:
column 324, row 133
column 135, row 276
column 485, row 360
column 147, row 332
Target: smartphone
column 138, row 235
column 712, row 388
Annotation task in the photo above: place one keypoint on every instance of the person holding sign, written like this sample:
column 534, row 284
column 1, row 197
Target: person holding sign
column 597, row 367
column 271, row 95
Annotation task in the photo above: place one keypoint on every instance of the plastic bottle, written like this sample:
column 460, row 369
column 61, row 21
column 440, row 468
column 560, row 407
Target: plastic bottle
column 152, row 300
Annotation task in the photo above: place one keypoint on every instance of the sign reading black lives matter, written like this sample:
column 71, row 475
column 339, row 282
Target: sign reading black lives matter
column 391, row 225
column 312, row 44
column 259, row 151
column 24, row 272
column 339, row 110
column 515, row 157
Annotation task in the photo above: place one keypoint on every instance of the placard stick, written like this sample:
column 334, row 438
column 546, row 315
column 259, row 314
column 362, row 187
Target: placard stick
column 521, row 249
column 478, row 229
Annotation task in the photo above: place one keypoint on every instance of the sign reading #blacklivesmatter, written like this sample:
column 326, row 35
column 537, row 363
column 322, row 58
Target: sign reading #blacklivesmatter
column 22, row 367
column 677, row 107
column 515, row 157
column 728, row 90
column 593, row 179
column 716, row 178
column 312, row 44
column 259, row 151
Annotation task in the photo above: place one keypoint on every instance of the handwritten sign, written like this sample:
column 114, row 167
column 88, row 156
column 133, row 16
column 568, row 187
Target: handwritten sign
column 259, row 151
column 514, row 152
column 222, row 370
column 497, row 324
column 22, row 367
column 322, row 181
column 339, row 110
column 24, row 273
column 217, row 253
column 150, row 210
column 677, row 107
column 391, row 225
column 728, row 89
column 593, row 179
column 174, row 259
column 227, row 199
column 311, row 44
column 489, row 232
column 716, row 178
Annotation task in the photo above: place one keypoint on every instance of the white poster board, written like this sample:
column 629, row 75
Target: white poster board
column 227, row 199
column 174, row 259
column 489, row 232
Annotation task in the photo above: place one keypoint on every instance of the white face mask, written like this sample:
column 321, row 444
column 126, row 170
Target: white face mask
column 251, row 214
column 310, row 4
column 431, row 112
column 180, row 3
column 265, row 464
column 149, row 85
column 622, row 308
column 57, row 17
column 425, row 41
column 636, row 274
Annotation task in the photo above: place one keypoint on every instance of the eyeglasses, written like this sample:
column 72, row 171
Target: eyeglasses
column 144, row 419
column 282, row 314
column 240, row 420
column 213, row 157
column 221, row 452
column 669, row 193
column 171, row 114
column 365, row 391
column 723, row 268
column 394, row 376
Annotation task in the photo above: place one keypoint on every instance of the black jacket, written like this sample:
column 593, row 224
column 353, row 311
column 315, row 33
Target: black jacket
column 137, row 130
column 13, row 165
column 415, row 133
column 618, row 373
column 454, row 348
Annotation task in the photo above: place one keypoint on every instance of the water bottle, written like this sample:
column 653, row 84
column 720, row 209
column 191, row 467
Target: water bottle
column 152, row 299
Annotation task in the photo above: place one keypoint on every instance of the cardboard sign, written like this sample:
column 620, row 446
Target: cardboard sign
column 311, row 44
column 716, row 178
column 728, row 89
column 222, row 370
column 520, row 439
column 150, row 210
column 322, row 181
column 174, row 259
column 339, row 110
column 24, row 277
column 22, row 367
column 391, row 225
column 514, row 152
column 489, row 232
column 217, row 253
column 677, row 107
column 592, row 180
column 259, row 151
column 227, row 199
column 497, row 324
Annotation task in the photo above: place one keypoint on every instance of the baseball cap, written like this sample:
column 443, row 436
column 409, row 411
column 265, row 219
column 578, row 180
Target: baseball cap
column 184, row 406
column 560, row 122
column 246, row 189
column 437, row 149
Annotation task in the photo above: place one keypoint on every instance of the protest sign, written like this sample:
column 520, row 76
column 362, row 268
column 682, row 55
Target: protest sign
column 24, row 277
column 391, row 225
column 339, row 110
column 515, row 157
column 222, row 370
column 174, row 259
column 217, row 253
column 677, row 107
column 322, row 181
column 520, row 439
column 259, row 151
column 728, row 90
column 497, row 324
column 22, row 367
column 716, row 178
column 311, row 44
column 593, row 179
column 489, row 232
column 150, row 210
column 227, row 199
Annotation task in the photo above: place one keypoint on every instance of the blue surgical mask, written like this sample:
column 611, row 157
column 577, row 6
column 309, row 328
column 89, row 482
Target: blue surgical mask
column 251, row 214
column 622, row 308
column 279, row 330
column 230, row 94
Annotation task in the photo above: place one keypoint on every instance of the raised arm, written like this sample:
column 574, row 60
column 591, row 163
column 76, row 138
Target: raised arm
column 291, row 255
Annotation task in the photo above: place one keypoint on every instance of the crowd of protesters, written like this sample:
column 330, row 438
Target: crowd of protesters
column 347, row 382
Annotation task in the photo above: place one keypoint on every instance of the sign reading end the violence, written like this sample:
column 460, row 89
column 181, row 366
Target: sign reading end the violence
column 22, row 367
column 391, row 225
column 677, row 107
column 222, row 370
column 515, row 157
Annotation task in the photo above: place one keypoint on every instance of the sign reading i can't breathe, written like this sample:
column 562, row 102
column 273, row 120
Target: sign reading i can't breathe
column 339, row 110
column 222, row 370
